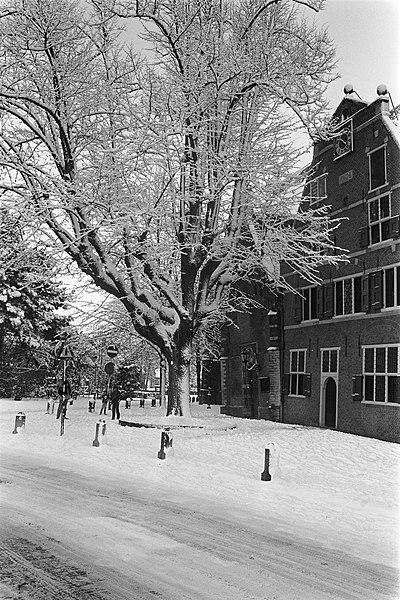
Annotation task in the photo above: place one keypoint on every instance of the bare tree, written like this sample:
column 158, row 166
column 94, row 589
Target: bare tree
column 169, row 178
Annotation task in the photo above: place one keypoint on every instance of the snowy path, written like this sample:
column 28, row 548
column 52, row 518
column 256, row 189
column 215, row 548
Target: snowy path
column 90, row 538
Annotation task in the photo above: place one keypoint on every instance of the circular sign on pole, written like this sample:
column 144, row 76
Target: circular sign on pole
column 109, row 368
column 112, row 351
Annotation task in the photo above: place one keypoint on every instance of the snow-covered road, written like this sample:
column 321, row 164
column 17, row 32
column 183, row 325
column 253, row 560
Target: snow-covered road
column 91, row 537
column 80, row 522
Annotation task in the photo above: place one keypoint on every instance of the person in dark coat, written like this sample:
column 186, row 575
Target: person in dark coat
column 64, row 394
column 104, row 402
column 115, row 400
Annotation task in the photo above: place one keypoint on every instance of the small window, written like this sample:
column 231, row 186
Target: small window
column 379, row 219
column 381, row 370
column 317, row 189
column 377, row 168
column 391, row 284
column 330, row 361
column 310, row 304
column 297, row 372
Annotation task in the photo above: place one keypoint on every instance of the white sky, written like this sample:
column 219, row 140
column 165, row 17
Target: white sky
column 366, row 36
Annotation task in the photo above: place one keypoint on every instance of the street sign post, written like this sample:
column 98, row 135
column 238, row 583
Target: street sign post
column 109, row 368
column 112, row 351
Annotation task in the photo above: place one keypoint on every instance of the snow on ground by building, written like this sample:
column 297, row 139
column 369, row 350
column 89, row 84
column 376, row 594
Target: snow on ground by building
column 338, row 489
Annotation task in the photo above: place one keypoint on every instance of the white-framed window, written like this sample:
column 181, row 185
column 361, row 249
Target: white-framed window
column 339, row 297
column 381, row 372
column 377, row 168
column 297, row 372
column 391, row 287
column 317, row 188
column 329, row 360
column 309, row 303
column 357, row 295
column 379, row 215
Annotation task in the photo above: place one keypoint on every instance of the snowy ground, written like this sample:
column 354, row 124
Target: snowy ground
column 328, row 488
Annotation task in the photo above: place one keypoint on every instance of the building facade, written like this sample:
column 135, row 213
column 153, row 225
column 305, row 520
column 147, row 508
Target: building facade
column 337, row 345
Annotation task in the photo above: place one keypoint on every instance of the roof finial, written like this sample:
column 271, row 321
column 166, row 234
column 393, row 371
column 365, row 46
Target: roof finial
column 349, row 89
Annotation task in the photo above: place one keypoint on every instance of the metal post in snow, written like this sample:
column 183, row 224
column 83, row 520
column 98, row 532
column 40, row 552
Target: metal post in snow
column 166, row 442
column 62, row 415
column 96, row 437
column 265, row 475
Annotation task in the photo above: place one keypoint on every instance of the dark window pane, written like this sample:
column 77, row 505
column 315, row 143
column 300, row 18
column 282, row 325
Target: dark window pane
column 322, row 187
column 386, row 230
column 301, row 361
column 369, row 388
column 392, row 366
column 339, row 297
column 293, row 384
column 380, row 388
column 373, row 211
column 313, row 295
column 293, row 362
column 325, row 361
column 348, row 296
column 398, row 286
column 369, row 360
column 357, row 294
column 333, row 361
column 301, row 385
column 384, row 206
column 380, row 360
column 389, row 287
column 306, row 305
column 377, row 168
column 393, row 389
column 375, row 234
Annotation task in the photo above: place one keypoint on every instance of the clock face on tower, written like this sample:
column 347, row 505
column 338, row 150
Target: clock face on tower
column 343, row 143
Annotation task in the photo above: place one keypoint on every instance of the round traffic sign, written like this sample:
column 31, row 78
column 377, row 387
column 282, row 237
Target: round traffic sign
column 112, row 350
column 109, row 368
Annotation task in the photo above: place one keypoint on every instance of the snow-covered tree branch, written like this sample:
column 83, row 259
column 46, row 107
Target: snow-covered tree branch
column 171, row 176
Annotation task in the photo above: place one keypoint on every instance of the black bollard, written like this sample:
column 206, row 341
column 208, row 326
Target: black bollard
column 48, row 408
column 166, row 442
column 265, row 476
column 96, row 438
column 103, row 429
column 62, row 422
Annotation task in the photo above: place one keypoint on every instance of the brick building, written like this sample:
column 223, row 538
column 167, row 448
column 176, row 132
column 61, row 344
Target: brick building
column 251, row 358
column 338, row 344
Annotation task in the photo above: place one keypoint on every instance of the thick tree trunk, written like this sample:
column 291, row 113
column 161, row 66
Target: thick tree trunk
column 179, row 384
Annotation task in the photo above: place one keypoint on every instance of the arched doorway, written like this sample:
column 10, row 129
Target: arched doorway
column 330, row 403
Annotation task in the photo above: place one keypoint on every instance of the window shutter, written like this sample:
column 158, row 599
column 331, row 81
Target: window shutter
column 320, row 303
column 357, row 394
column 376, row 291
column 297, row 304
column 306, row 384
column 365, row 293
column 364, row 236
column 395, row 227
column 285, row 383
column 328, row 300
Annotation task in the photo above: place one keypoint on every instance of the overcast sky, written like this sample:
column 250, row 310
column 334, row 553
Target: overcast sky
column 366, row 36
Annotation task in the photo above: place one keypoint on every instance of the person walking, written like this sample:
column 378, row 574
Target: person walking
column 64, row 394
column 104, row 402
column 115, row 400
